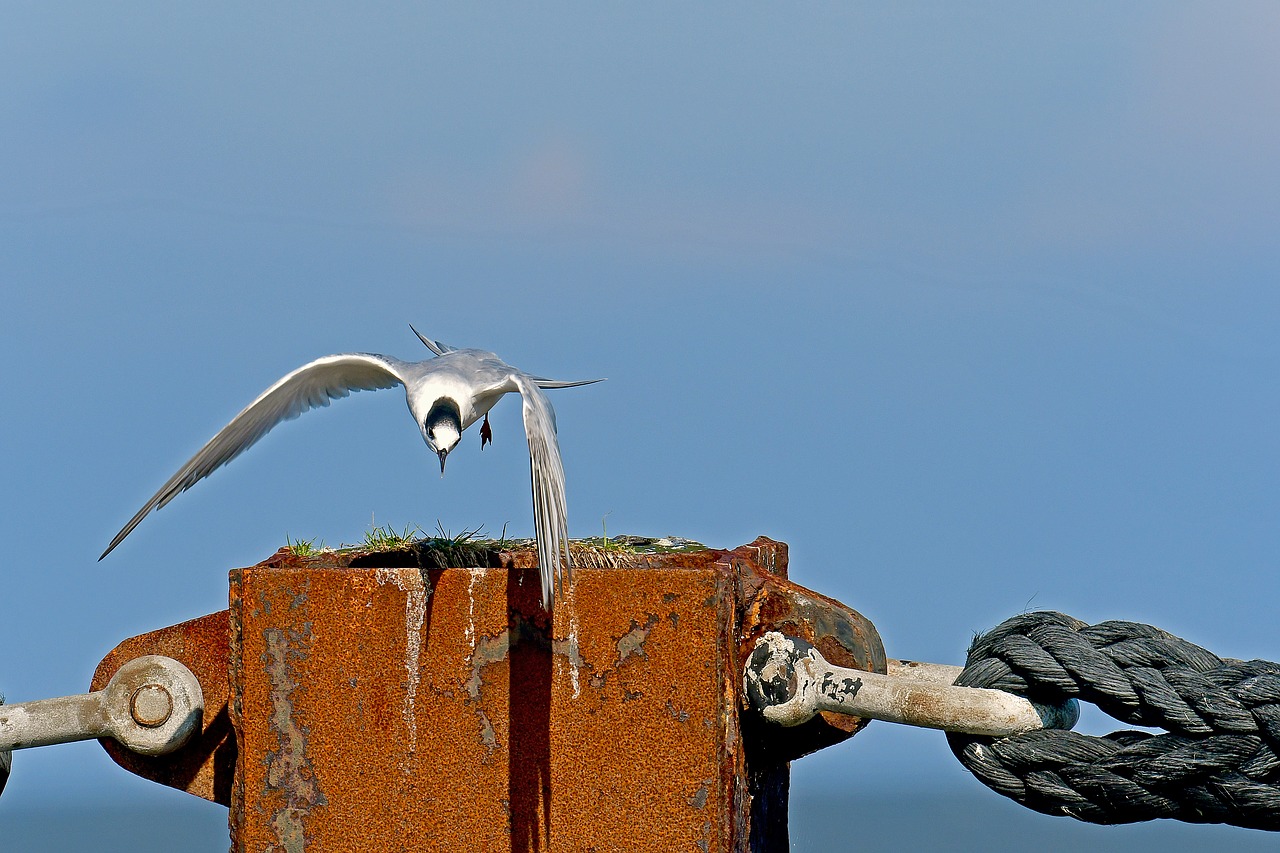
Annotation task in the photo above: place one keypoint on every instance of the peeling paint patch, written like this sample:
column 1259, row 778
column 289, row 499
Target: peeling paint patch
column 699, row 798
column 488, row 736
column 415, row 612
column 288, row 767
column 491, row 650
column 676, row 714
column 568, row 649
column 287, row 824
column 487, row 651
column 299, row 598
column 632, row 642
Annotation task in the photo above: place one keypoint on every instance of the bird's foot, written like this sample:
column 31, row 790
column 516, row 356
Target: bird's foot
column 486, row 434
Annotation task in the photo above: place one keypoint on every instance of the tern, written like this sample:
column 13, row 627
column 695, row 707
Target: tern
column 446, row 394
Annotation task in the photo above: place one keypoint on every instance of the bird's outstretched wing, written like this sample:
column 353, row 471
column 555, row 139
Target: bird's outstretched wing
column 310, row 386
column 550, row 518
column 435, row 346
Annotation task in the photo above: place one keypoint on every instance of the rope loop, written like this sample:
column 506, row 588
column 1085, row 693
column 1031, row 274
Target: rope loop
column 1219, row 761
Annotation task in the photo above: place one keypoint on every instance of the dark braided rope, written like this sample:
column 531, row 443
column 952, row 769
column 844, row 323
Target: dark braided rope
column 1217, row 764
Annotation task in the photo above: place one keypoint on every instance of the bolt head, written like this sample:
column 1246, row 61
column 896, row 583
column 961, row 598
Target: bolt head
column 151, row 706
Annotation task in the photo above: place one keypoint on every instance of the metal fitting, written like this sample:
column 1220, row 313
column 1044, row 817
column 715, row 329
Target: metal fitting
column 789, row 681
column 152, row 705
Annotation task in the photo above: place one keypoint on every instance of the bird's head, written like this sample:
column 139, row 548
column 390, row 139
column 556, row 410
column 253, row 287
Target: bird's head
column 442, row 428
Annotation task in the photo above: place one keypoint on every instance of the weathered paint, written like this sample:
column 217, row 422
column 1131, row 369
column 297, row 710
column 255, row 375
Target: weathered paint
column 292, row 790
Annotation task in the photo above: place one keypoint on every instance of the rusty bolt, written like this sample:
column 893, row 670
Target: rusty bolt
column 151, row 705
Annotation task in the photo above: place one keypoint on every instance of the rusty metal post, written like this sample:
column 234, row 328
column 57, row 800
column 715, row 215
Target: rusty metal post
column 403, row 706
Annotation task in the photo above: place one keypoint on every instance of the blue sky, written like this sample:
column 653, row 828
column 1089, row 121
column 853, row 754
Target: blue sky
column 974, row 306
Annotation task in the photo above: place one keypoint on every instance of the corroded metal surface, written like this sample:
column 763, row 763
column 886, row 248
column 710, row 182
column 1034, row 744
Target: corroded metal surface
column 395, row 707
column 205, row 765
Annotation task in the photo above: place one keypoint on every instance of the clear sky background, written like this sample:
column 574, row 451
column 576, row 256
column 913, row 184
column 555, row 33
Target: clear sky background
column 975, row 305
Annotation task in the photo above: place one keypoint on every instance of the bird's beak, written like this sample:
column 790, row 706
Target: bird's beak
column 443, row 454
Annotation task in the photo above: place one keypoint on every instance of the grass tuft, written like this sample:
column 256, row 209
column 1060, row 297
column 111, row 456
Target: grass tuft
column 470, row 547
column 386, row 538
column 303, row 547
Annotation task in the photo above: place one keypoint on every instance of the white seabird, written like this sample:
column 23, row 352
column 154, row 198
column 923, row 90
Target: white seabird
column 446, row 394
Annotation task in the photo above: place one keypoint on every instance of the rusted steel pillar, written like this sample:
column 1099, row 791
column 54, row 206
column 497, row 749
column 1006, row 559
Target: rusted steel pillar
column 401, row 706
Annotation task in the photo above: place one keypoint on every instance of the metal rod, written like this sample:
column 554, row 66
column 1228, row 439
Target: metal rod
column 929, row 673
column 152, row 705
column 788, row 682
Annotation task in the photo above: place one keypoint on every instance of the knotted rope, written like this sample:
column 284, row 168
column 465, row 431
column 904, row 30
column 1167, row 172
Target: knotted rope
column 1217, row 764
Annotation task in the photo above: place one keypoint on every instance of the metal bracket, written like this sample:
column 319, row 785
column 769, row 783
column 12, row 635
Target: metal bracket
column 152, row 705
column 788, row 681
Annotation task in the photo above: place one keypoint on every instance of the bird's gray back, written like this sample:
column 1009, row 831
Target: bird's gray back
column 473, row 367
